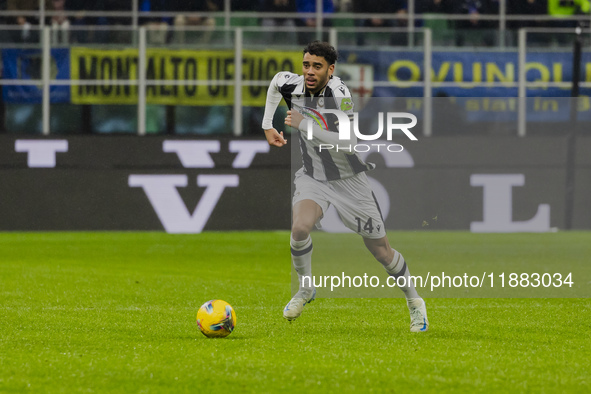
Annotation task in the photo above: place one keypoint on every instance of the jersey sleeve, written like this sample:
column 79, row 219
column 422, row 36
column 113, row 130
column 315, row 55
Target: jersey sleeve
column 273, row 99
column 344, row 103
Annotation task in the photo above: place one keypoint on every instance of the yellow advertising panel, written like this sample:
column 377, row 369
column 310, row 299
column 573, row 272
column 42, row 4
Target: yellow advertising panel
column 117, row 65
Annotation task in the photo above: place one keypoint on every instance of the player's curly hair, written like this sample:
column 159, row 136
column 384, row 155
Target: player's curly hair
column 324, row 49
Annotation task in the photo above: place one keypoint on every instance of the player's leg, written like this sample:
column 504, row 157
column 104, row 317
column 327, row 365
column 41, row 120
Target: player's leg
column 305, row 215
column 396, row 267
column 359, row 210
column 393, row 262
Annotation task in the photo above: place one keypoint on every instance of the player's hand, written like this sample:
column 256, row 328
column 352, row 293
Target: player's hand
column 274, row 138
column 293, row 119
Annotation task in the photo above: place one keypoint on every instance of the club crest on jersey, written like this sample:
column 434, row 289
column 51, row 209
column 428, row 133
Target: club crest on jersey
column 321, row 102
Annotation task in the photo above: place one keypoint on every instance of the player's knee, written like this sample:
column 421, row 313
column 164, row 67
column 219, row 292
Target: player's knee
column 299, row 232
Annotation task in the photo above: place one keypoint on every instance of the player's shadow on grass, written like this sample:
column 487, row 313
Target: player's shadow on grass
column 353, row 329
column 519, row 337
column 199, row 336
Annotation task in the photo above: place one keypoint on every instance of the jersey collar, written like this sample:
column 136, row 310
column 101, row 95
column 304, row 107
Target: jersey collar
column 319, row 94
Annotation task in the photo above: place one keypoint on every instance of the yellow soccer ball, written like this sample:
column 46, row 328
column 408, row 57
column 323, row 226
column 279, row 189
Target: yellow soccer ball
column 216, row 319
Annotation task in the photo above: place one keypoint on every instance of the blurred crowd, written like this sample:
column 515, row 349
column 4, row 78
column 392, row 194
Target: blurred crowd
column 180, row 11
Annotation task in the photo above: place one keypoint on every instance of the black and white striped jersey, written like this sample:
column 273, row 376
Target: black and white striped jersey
column 321, row 164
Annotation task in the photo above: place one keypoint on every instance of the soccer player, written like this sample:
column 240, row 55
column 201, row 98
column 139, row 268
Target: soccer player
column 330, row 177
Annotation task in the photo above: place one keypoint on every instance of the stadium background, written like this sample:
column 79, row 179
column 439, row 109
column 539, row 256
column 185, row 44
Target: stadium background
column 92, row 76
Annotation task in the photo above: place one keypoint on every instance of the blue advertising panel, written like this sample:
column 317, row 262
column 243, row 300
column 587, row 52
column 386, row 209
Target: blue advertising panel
column 26, row 64
column 472, row 71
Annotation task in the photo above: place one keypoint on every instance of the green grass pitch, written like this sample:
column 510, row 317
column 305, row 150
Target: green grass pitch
column 115, row 312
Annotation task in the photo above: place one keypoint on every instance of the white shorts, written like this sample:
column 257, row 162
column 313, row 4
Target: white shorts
column 352, row 197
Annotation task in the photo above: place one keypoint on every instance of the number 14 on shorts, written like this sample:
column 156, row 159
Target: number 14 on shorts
column 368, row 226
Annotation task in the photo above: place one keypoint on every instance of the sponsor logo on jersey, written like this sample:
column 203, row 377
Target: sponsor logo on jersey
column 346, row 104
